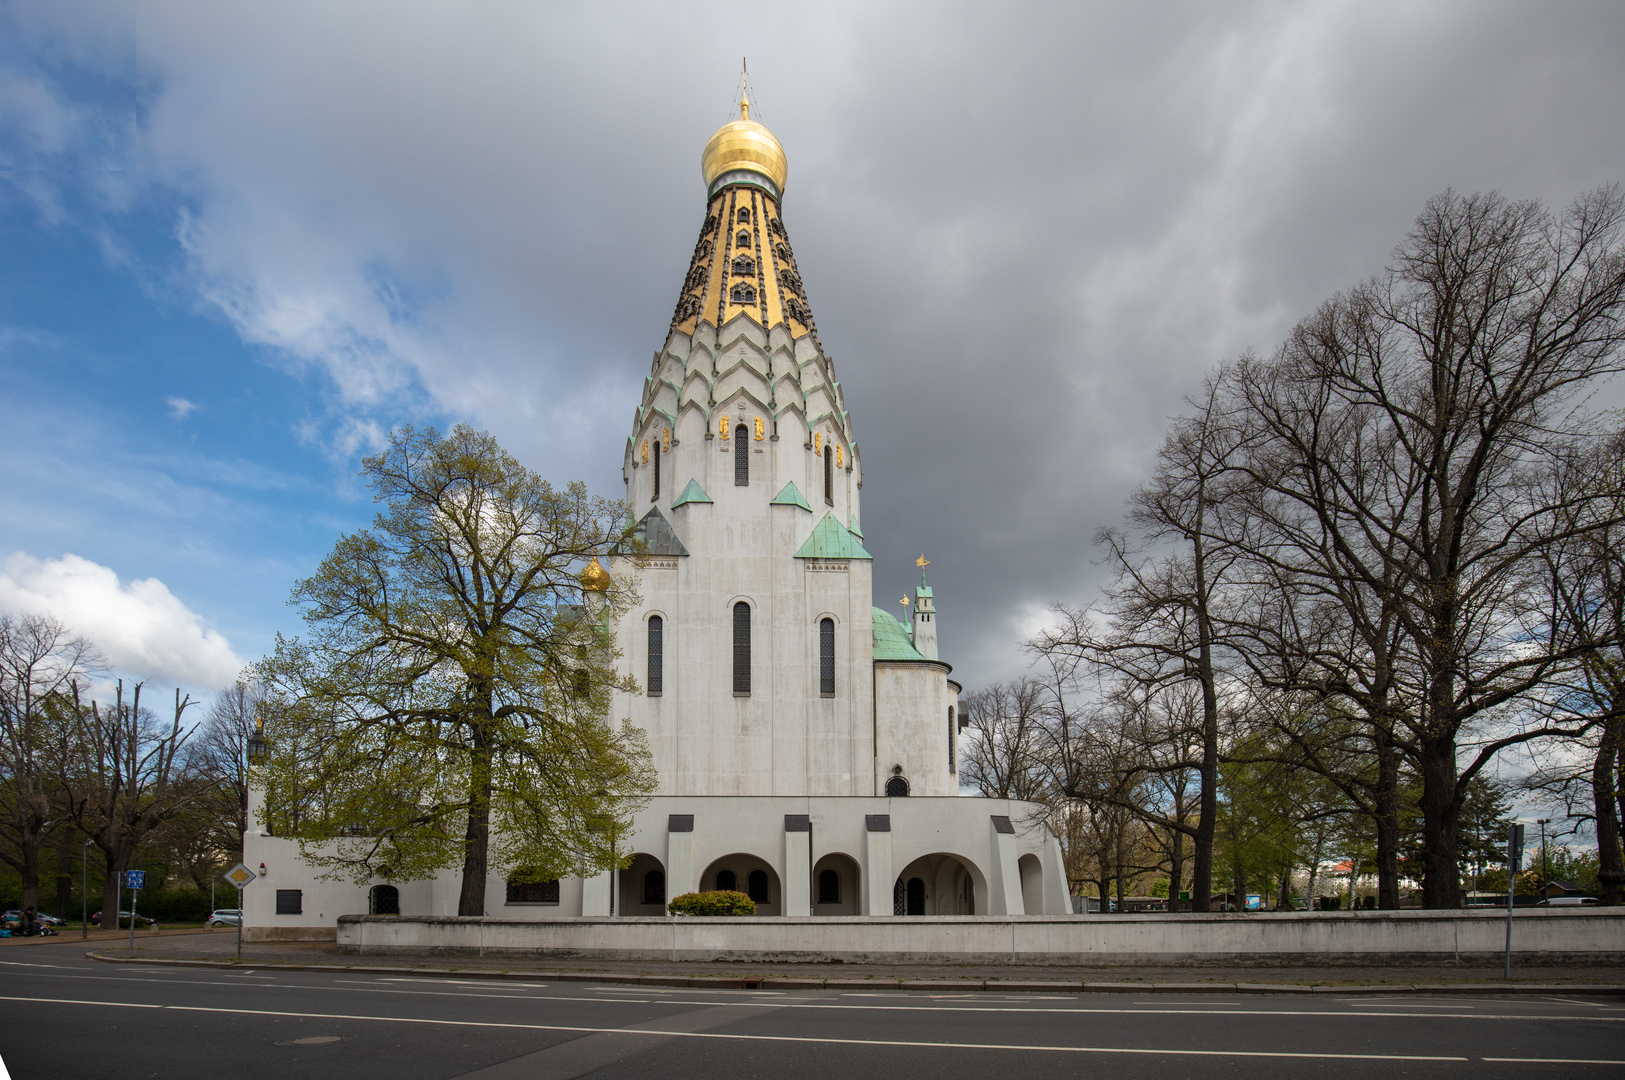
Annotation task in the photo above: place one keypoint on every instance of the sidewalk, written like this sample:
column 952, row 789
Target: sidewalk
column 204, row 948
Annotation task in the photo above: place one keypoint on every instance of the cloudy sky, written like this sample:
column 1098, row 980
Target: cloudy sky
column 239, row 242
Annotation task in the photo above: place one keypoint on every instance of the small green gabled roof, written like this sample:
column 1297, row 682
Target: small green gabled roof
column 854, row 529
column 831, row 540
column 892, row 639
column 790, row 496
column 693, row 493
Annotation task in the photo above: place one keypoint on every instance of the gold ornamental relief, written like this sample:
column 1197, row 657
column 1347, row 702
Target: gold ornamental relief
column 665, row 438
column 645, row 449
column 837, row 455
column 722, row 428
column 818, row 442
column 760, row 428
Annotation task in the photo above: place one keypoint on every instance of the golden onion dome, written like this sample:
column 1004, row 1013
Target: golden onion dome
column 744, row 145
column 595, row 578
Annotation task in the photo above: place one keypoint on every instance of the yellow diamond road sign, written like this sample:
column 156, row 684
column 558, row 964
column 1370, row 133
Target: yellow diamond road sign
column 240, row 875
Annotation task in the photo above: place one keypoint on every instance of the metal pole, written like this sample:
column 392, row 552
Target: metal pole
column 133, row 893
column 240, row 914
column 1514, row 864
column 1545, row 865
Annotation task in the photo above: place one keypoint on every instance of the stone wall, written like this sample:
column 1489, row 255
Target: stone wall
column 1353, row 938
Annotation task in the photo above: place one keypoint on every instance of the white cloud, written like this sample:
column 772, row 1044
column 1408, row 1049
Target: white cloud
column 141, row 627
column 180, row 408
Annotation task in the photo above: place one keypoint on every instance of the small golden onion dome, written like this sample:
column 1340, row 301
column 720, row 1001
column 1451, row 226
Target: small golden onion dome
column 595, row 578
column 744, row 144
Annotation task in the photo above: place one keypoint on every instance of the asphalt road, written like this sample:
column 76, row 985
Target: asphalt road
column 66, row 1018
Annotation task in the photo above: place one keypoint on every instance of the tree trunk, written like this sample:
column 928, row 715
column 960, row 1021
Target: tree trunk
column 1604, row 789
column 477, row 839
column 1176, row 857
column 1441, row 887
column 30, row 870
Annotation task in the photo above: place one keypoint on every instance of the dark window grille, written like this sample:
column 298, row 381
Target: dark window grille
column 290, row 902
column 657, row 657
column 899, row 898
column 727, row 881
column 826, row 657
column 756, row 886
column 656, row 494
column 533, row 892
column 829, row 476
column 741, row 648
column 829, row 887
column 654, row 887
column 953, row 763
column 384, row 900
column 896, row 787
column 741, row 456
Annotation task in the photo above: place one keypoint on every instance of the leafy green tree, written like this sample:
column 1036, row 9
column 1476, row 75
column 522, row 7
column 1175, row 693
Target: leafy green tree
column 451, row 702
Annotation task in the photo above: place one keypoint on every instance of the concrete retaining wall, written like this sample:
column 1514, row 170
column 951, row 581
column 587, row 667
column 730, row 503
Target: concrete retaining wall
column 1363, row 938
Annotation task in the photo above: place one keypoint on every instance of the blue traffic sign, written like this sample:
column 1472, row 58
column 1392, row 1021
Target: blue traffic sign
column 135, row 879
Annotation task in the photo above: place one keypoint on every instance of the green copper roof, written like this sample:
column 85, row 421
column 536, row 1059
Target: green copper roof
column 923, row 590
column 790, row 496
column 652, row 536
column 830, row 540
column 853, row 528
column 892, row 639
column 694, row 493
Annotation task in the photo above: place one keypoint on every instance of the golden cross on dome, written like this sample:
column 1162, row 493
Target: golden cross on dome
column 744, row 90
column 904, row 601
column 922, row 562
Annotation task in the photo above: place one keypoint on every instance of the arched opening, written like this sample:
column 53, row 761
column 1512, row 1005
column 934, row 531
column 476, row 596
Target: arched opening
column 742, row 648
column 749, row 874
column 896, row 788
column 656, row 683
column 656, row 464
column 829, row 476
column 741, row 456
column 384, row 900
column 633, row 887
column 1032, row 884
column 950, row 885
column 826, row 657
column 836, row 886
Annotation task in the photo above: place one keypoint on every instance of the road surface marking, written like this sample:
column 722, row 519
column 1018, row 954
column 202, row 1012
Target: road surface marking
column 736, row 1037
column 1561, row 1061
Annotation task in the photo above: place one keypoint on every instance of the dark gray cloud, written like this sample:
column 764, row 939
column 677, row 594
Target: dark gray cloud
column 1026, row 230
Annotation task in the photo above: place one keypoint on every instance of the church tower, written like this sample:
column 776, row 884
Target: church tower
column 754, row 638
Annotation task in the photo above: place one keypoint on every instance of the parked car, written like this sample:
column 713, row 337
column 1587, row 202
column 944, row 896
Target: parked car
column 124, row 919
column 1567, row 901
column 226, row 916
column 16, row 915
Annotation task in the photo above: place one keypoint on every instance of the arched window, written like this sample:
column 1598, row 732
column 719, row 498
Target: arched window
column 657, row 656
column 829, row 887
column 826, row 657
column 654, row 887
column 953, row 764
column 741, row 456
column 743, row 266
column 727, row 881
column 829, row 476
column 656, row 464
column 384, row 900
column 743, row 292
column 899, row 898
column 896, row 788
column 742, row 648
column 744, row 214
column 756, row 886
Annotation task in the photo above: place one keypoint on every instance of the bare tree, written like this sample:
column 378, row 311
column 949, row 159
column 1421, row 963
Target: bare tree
column 1005, row 722
column 1404, row 422
column 219, row 751
column 39, row 660
column 123, row 780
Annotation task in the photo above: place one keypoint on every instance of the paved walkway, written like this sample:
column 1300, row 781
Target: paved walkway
column 220, row 946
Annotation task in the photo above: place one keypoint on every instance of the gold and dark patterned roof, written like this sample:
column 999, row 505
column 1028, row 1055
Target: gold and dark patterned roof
column 742, row 262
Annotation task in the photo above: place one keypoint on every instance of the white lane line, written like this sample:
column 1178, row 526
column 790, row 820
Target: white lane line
column 1560, row 1061
column 1392, row 1005
column 735, row 1037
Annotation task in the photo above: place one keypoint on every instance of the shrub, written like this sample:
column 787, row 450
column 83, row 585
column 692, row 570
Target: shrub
column 721, row 902
column 1331, row 903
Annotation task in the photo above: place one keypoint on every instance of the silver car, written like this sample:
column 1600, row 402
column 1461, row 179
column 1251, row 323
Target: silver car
column 227, row 916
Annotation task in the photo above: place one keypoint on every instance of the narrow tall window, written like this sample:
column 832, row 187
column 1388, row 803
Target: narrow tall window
column 657, row 655
column 826, row 657
column 742, row 648
column 656, row 464
column 829, row 476
column 953, row 763
column 742, row 456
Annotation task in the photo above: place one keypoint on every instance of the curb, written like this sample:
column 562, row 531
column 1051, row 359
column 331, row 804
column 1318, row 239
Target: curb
column 769, row 982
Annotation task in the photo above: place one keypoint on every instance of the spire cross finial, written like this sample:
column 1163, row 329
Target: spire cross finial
column 744, row 93
column 922, row 562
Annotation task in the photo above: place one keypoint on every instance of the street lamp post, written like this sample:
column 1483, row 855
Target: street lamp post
column 1545, row 864
column 84, row 891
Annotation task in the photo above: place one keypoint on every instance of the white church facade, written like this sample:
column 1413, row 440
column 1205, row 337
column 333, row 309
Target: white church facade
column 806, row 742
